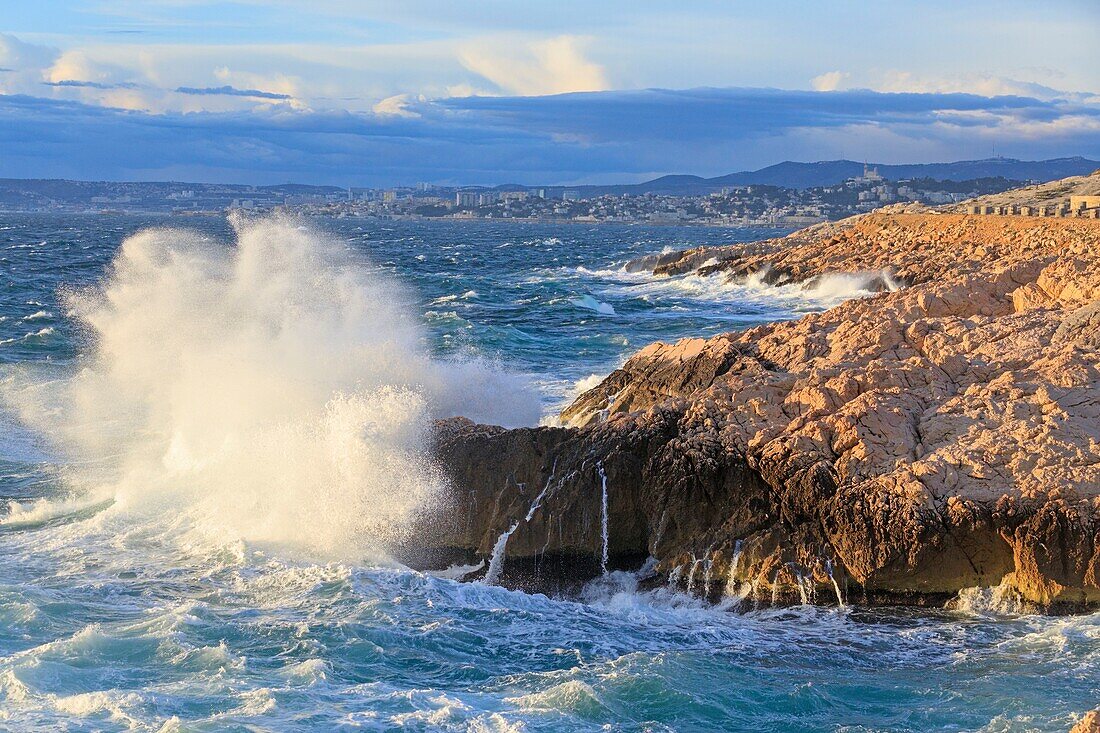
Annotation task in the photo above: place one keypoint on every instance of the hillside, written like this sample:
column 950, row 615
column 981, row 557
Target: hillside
column 791, row 174
column 1044, row 194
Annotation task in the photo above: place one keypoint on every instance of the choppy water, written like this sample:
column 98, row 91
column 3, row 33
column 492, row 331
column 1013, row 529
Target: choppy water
column 118, row 613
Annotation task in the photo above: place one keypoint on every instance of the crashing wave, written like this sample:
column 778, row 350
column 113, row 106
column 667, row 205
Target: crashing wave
column 275, row 390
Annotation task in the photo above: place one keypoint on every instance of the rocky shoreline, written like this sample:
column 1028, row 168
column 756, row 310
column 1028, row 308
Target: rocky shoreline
column 941, row 435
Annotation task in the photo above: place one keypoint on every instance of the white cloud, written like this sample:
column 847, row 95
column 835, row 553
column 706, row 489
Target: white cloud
column 830, row 81
column 396, row 106
column 550, row 66
column 76, row 66
column 292, row 86
column 17, row 55
column 985, row 85
column 275, row 83
column 1005, row 125
column 23, row 64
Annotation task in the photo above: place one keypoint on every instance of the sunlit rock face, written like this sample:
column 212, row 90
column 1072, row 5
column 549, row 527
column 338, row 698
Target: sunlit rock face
column 940, row 435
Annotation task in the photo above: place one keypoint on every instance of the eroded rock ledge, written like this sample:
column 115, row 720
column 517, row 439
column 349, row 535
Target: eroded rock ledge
column 897, row 448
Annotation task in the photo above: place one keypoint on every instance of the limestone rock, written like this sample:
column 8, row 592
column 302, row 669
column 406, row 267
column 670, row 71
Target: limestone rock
column 896, row 448
column 1090, row 723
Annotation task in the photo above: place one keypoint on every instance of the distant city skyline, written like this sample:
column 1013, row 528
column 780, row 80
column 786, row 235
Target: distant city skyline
column 372, row 94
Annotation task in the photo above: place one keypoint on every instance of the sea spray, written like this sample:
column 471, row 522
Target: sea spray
column 587, row 302
column 276, row 390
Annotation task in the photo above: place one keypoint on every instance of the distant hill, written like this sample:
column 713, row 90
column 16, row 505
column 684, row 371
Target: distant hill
column 790, row 174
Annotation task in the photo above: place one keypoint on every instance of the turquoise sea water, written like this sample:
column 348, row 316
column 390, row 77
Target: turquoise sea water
column 123, row 608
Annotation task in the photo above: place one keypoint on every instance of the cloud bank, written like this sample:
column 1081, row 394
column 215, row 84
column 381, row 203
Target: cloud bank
column 368, row 92
column 613, row 136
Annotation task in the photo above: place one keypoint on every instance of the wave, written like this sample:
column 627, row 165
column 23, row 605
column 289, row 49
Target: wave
column 451, row 298
column 774, row 300
column 45, row 512
column 1001, row 600
column 274, row 390
column 32, row 337
column 590, row 382
column 587, row 302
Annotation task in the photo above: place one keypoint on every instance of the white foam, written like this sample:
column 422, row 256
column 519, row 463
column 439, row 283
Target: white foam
column 590, row 382
column 32, row 336
column 40, row 511
column 87, row 704
column 1000, row 600
column 276, row 390
column 457, row 572
column 779, row 299
column 589, row 303
column 572, row 696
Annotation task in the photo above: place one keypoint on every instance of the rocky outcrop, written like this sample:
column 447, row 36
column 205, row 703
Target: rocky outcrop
column 909, row 245
column 1052, row 193
column 897, row 448
column 1089, row 723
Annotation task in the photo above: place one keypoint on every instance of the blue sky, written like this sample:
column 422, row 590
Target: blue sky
column 381, row 93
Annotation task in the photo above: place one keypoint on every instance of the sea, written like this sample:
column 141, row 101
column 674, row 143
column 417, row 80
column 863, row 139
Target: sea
column 212, row 427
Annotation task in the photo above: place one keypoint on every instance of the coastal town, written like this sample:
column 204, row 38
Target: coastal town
column 728, row 206
column 754, row 205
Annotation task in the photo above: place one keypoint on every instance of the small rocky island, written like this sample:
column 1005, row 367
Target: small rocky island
column 940, row 435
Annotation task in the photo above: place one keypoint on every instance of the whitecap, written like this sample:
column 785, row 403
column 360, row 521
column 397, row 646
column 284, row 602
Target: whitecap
column 87, row 704
column 572, row 696
column 28, row 514
column 587, row 302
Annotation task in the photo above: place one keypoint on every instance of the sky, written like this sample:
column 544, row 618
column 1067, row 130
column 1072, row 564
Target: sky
column 380, row 93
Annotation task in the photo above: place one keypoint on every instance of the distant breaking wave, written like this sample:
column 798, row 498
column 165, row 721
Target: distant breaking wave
column 775, row 300
column 587, row 302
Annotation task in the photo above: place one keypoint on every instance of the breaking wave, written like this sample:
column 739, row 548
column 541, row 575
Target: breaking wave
column 275, row 390
column 780, row 299
column 587, row 302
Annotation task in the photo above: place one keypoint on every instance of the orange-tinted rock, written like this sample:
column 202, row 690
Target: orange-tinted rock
column 908, row 444
column 1090, row 723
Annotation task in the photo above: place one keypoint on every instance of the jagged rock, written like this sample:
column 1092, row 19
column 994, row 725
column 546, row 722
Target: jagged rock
column 897, row 448
column 1089, row 723
column 1081, row 326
